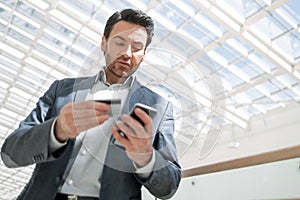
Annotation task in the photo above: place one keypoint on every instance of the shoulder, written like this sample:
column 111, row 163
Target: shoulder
column 137, row 86
column 72, row 81
column 76, row 82
column 68, row 85
column 147, row 95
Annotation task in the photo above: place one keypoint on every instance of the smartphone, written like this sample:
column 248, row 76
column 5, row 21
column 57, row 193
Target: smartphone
column 149, row 110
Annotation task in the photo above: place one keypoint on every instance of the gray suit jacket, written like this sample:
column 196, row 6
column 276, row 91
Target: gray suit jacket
column 29, row 145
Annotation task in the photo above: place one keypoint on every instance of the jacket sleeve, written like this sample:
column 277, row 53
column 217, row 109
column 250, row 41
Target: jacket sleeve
column 28, row 144
column 166, row 175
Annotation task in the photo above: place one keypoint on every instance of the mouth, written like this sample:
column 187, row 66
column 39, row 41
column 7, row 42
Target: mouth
column 123, row 64
column 122, row 67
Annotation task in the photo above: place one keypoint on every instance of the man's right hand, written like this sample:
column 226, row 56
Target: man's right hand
column 80, row 116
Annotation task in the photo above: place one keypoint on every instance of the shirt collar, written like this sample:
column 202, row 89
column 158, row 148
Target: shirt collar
column 101, row 76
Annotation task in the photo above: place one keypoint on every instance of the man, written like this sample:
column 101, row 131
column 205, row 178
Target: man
column 83, row 150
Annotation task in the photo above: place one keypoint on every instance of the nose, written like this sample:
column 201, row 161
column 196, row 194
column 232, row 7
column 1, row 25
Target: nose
column 128, row 52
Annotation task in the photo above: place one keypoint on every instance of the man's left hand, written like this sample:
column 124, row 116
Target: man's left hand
column 138, row 138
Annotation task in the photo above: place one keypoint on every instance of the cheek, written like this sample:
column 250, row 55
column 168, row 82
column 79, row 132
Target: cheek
column 112, row 55
column 137, row 59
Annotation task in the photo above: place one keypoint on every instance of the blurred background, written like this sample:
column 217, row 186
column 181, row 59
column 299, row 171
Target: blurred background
column 231, row 69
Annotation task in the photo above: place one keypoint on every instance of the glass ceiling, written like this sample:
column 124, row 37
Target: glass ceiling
column 219, row 62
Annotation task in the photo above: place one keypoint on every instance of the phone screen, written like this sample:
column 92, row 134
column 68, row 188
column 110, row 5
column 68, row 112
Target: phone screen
column 149, row 110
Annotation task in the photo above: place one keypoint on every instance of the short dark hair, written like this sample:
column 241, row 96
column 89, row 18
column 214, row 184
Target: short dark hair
column 133, row 16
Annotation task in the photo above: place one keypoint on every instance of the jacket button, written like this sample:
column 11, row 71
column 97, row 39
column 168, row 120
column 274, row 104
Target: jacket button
column 154, row 182
column 83, row 152
column 70, row 182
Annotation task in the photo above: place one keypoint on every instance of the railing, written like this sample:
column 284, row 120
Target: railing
column 272, row 156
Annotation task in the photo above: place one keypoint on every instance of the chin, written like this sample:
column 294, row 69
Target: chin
column 121, row 74
column 125, row 75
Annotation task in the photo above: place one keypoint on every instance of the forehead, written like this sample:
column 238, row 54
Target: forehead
column 129, row 31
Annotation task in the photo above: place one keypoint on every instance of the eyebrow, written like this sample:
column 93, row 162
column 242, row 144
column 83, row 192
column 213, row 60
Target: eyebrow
column 119, row 37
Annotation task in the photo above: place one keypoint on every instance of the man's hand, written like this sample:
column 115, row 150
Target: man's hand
column 138, row 140
column 80, row 116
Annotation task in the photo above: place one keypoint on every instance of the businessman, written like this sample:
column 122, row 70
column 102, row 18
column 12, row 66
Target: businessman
column 83, row 150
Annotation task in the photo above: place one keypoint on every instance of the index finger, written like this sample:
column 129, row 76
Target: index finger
column 85, row 105
column 144, row 117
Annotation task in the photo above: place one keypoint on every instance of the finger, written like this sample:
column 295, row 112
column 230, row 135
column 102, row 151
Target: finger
column 122, row 140
column 88, row 113
column 136, row 130
column 76, row 126
column 125, row 129
column 131, row 121
column 146, row 119
column 102, row 106
column 90, row 121
column 85, row 109
column 83, row 105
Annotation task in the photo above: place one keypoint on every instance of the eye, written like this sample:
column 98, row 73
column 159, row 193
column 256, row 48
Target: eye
column 137, row 47
column 120, row 44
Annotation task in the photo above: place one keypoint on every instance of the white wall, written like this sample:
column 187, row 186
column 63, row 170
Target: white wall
column 277, row 180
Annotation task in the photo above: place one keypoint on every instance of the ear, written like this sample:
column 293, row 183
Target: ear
column 143, row 56
column 103, row 44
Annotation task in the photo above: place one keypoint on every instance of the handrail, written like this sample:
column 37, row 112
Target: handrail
column 271, row 156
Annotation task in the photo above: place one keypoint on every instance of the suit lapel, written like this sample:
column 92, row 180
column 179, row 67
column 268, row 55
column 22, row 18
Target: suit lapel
column 81, row 88
column 132, row 97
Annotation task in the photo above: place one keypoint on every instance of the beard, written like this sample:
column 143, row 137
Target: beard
column 111, row 69
column 119, row 71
